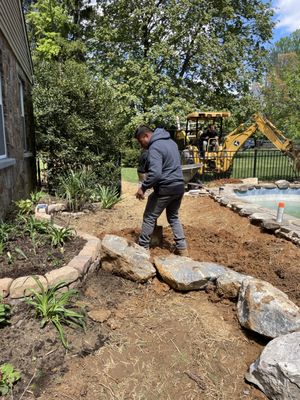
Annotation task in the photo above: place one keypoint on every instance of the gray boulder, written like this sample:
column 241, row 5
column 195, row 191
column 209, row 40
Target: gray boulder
column 265, row 309
column 126, row 259
column 228, row 284
column 277, row 371
column 259, row 217
column 270, row 225
column 183, row 273
column 282, row 184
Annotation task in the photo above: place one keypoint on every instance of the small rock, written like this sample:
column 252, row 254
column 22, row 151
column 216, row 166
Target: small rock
column 159, row 287
column 268, row 185
column 282, row 184
column 113, row 324
column 99, row 315
column 270, row 225
column 228, row 285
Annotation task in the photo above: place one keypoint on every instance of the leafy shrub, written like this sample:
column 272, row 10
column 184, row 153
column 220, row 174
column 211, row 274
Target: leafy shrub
column 52, row 306
column 58, row 236
column 8, row 376
column 76, row 188
column 4, row 313
column 107, row 196
column 130, row 157
column 24, row 206
column 35, row 197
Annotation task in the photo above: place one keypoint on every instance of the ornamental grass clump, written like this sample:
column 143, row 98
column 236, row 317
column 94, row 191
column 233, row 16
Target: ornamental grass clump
column 4, row 313
column 53, row 306
column 76, row 188
column 106, row 196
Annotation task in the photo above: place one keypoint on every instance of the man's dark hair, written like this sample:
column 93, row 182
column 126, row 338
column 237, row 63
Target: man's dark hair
column 141, row 130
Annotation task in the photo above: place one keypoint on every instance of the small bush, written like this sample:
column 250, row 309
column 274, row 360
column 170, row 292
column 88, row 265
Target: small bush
column 58, row 236
column 130, row 157
column 24, row 206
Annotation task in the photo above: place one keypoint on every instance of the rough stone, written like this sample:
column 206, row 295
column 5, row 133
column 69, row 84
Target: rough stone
column 243, row 188
column 228, row 284
column 265, row 309
column 64, row 274
column 259, row 217
column 4, row 286
column 295, row 185
column 268, row 185
column 126, row 259
column 282, row 184
column 81, row 263
column 270, row 225
column 245, row 212
column 183, row 273
column 92, row 248
column 224, row 201
column 100, row 315
column 277, row 371
column 20, row 287
column 52, row 208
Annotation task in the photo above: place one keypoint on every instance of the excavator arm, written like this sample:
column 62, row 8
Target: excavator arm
column 235, row 140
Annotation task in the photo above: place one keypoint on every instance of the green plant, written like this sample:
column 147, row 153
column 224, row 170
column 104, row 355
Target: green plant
column 4, row 312
column 58, row 236
column 8, row 376
column 35, row 197
column 5, row 231
column 52, row 306
column 24, row 206
column 75, row 187
column 107, row 196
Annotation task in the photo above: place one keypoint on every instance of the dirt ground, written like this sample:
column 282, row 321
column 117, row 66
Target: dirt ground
column 157, row 344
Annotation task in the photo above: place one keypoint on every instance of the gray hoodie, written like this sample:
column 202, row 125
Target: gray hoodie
column 164, row 173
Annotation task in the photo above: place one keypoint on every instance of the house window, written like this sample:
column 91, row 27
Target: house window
column 22, row 114
column 2, row 130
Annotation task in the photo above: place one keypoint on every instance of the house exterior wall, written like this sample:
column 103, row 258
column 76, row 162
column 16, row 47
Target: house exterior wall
column 17, row 170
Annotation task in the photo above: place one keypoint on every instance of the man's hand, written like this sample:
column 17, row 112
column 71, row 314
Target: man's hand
column 140, row 194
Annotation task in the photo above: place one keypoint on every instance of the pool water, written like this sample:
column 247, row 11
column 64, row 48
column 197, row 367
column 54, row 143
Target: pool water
column 269, row 198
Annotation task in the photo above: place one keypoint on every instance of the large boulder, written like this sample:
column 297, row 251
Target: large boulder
column 183, row 273
column 282, row 184
column 265, row 309
column 277, row 371
column 126, row 259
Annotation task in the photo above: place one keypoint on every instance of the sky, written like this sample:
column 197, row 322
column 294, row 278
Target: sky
column 287, row 17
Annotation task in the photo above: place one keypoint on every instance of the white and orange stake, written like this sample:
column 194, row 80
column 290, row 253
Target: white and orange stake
column 280, row 211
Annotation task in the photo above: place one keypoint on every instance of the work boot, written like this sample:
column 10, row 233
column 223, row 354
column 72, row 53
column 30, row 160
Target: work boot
column 182, row 252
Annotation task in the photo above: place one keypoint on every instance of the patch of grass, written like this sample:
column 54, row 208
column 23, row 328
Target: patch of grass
column 129, row 175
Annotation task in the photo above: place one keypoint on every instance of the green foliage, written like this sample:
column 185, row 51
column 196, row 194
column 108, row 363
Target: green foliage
column 24, row 206
column 107, row 196
column 8, row 376
column 53, row 306
column 5, row 231
column 4, row 313
column 35, row 197
column 130, row 157
column 76, row 188
column 58, row 236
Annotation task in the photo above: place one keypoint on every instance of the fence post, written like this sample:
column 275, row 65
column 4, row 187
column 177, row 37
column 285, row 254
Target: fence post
column 254, row 162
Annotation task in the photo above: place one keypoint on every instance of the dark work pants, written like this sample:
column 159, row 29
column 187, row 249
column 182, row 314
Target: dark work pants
column 156, row 204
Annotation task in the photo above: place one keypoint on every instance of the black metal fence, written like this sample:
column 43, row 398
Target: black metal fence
column 265, row 164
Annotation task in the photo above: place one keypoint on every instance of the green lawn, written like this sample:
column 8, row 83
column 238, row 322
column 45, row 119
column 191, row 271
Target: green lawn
column 129, row 175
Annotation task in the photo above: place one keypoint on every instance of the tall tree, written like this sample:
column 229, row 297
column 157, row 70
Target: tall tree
column 282, row 85
column 168, row 56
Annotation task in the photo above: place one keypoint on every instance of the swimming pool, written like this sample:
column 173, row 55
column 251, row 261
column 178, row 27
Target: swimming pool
column 269, row 198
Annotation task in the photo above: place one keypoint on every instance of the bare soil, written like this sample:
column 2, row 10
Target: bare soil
column 157, row 343
column 30, row 260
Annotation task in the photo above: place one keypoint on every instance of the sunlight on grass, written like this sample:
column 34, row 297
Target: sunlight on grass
column 129, row 175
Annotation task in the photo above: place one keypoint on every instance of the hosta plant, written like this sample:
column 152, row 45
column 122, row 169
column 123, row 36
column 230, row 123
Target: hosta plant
column 59, row 236
column 53, row 306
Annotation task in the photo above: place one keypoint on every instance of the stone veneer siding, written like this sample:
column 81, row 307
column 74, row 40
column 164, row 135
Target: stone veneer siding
column 18, row 179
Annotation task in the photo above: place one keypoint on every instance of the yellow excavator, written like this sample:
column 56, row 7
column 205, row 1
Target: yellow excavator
column 216, row 153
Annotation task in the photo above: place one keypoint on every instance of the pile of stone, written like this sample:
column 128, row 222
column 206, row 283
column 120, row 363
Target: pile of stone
column 261, row 307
